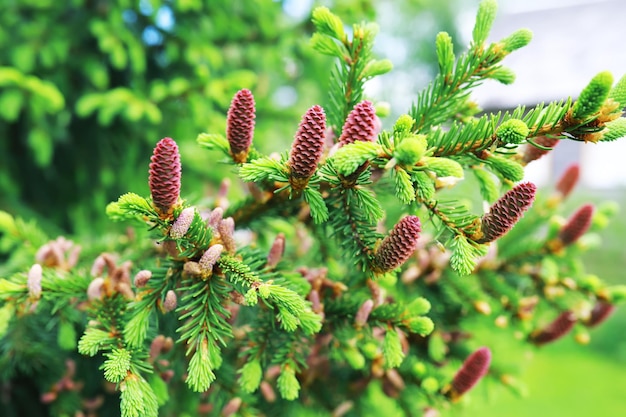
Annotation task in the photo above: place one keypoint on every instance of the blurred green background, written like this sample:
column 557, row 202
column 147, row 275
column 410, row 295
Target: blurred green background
column 87, row 87
column 566, row 379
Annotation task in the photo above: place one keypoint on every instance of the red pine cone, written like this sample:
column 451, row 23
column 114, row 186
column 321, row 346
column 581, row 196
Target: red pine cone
column 555, row 330
column 568, row 180
column 474, row 368
column 576, row 225
column 600, row 312
column 507, row 211
column 532, row 153
column 164, row 175
column 306, row 150
column 240, row 124
column 398, row 246
column 360, row 124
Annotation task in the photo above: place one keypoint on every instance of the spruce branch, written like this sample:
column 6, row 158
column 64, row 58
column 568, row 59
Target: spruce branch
column 354, row 67
column 214, row 141
column 351, row 226
column 137, row 398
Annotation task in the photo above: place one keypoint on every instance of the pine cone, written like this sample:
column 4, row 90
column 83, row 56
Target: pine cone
column 568, row 180
column 306, row 150
column 360, row 124
column 507, row 211
column 474, row 368
column 164, row 175
column 555, row 330
column 398, row 246
column 577, row 225
column 600, row 312
column 240, row 125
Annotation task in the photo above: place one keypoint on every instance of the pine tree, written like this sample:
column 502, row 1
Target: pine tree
column 295, row 299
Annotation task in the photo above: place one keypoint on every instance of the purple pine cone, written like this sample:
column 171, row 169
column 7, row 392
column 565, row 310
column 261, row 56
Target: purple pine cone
column 307, row 147
column 361, row 124
column 568, row 180
column 240, row 124
column 398, row 246
column 164, row 175
column 576, row 225
column 555, row 330
column 507, row 211
column 474, row 368
column 600, row 312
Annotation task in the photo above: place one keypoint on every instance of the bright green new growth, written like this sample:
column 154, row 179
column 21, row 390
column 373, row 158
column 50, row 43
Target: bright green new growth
column 250, row 375
column 593, row 96
column 443, row 167
column 488, row 187
column 445, row 53
column 503, row 75
column 512, row 131
column 117, row 365
column 410, row 149
column 328, row 23
column 392, row 349
column 350, row 157
column 484, row 20
column 288, row 384
column 403, row 126
column 377, row 67
column 618, row 92
column 509, row 170
column 516, row 40
column 137, row 398
column 404, row 186
column 615, row 130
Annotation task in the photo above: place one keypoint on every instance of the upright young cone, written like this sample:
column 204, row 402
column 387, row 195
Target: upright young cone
column 473, row 370
column 507, row 211
column 568, row 180
column 182, row 223
column 576, row 225
column 555, row 330
column 276, row 251
column 240, row 124
column 164, row 175
column 35, row 275
column 398, row 246
column 360, row 125
column 307, row 147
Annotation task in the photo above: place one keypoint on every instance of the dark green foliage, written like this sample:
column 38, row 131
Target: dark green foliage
column 82, row 101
